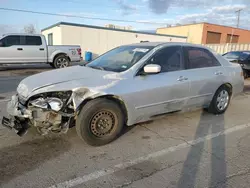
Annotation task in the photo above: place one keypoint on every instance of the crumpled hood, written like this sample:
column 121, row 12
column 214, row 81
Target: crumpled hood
column 65, row 79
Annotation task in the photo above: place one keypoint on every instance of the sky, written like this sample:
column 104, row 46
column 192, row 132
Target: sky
column 153, row 13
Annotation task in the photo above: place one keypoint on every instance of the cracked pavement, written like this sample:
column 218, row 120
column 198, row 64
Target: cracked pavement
column 218, row 162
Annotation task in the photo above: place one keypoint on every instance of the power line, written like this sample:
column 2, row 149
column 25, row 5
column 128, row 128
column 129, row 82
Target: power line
column 238, row 19
column 83, row 17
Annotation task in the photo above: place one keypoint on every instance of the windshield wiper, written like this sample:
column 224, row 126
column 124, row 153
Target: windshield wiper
column 97, row 67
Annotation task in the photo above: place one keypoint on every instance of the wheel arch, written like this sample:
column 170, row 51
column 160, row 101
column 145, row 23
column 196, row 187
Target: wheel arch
column 114, row 98
column 60, row 53
column 229, row 86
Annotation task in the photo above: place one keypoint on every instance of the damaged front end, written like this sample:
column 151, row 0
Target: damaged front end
column 48, row 112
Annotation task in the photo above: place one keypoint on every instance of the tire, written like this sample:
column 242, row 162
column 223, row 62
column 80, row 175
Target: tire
column 217, row 106
column 92, row 118
column 52, row 65
column 61, row 61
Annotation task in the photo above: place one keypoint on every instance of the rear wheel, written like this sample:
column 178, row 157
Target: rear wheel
column 61, row 61
column 100, row 122
column 221, row 100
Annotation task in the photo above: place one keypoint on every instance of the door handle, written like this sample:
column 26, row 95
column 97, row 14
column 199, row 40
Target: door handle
column 181, row 78
column 218, row 73
column 42, row 49
column 19, row 49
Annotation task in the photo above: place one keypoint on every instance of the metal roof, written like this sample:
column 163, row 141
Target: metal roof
column 106, row 28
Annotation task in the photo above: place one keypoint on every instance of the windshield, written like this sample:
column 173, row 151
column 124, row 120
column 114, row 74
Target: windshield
column 232, row 55
column 120, row 59
column 237, row 55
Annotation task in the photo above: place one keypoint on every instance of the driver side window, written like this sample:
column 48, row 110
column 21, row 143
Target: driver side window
column 10, row 41
column 169, row 58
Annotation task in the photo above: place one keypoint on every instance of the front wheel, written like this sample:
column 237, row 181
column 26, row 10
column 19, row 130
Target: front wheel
column 220, row 101
column 100, row 122
column 61, row 61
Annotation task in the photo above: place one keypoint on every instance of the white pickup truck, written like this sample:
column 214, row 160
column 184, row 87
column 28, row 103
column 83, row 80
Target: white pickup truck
column 32, row 48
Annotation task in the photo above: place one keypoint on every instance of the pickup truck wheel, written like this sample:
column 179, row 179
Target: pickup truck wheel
column 52, row 65
column 99, row 122
column 61, row 62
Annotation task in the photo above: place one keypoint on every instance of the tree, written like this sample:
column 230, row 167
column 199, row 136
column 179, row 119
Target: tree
column 29, row 29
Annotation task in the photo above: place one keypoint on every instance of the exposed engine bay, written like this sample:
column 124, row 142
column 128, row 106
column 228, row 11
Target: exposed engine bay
column 48, row 112
column 51, row 112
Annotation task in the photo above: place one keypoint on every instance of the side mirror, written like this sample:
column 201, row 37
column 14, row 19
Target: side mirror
column 152, row 69
column 1, row 44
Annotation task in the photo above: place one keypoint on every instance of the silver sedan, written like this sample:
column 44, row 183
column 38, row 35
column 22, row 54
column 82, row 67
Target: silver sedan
column 125, row 86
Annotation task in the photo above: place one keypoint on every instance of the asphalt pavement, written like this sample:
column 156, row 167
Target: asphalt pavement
column 191, row 149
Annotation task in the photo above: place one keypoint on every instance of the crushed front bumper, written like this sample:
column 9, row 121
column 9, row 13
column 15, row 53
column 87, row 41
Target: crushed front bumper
column 19, row 116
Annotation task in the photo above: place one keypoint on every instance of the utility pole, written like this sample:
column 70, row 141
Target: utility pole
column 238, row 20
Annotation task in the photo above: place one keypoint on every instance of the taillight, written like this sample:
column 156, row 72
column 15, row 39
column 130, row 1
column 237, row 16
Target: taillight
column 79, row 51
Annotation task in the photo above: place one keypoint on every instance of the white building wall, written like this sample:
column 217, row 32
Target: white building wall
column 99, row 41
column 57, row 35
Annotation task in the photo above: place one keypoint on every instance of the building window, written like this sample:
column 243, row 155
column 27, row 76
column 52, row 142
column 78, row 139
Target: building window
column 232, row 38
column 50, row 39
column 213, row 38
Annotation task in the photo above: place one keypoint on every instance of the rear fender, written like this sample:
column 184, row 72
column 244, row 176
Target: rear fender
column 55, row 54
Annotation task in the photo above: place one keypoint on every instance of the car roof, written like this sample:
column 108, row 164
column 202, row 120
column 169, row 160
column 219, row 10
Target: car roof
column 154, row 44
column 21, row 34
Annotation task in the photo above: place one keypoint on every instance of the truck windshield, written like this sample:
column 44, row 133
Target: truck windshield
column 120, row 59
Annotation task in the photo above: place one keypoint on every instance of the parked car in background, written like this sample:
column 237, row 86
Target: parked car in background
column 32, row 48
column 241, row 57
column 125, row 86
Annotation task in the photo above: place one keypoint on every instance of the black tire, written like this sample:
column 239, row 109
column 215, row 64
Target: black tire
column 61, row 61
column 52, row 65
column 213, row 107
column 86, row 127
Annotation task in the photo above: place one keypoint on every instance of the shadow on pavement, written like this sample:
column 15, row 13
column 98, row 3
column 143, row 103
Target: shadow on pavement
column 218, row 161
column 18, row 159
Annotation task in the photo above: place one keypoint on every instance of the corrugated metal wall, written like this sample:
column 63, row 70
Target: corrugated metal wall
column 223, row 48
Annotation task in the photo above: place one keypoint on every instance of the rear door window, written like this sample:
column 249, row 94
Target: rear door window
column 199, row 58
column 33, row 41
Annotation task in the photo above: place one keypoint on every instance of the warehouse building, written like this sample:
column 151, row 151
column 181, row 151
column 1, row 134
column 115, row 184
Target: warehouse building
column 97, row 39
column 205, row 33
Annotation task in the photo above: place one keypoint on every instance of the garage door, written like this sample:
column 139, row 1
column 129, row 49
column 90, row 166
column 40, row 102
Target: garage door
column 213, row 38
